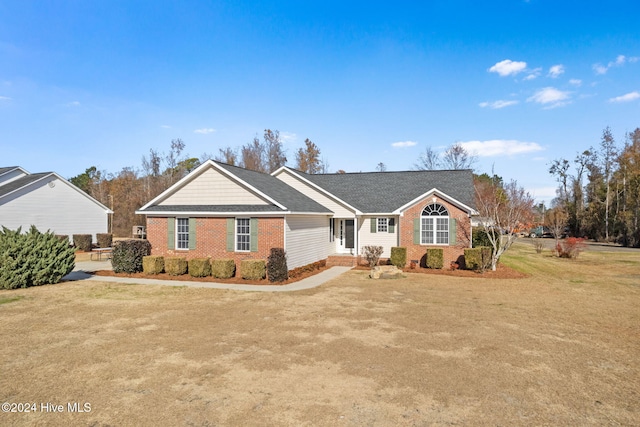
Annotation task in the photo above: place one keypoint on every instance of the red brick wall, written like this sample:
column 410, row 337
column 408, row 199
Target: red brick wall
column 451, row 253
column 211, row 239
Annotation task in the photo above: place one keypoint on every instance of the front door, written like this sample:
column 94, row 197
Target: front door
column 345, row 236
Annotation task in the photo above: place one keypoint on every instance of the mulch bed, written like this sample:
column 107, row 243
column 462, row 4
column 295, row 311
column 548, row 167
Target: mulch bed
column 210, row 279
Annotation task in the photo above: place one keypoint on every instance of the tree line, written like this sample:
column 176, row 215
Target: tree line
column 598, row 193
column 129, row 189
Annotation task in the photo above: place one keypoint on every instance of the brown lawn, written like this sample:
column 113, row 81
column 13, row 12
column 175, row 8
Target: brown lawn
column 559, row 347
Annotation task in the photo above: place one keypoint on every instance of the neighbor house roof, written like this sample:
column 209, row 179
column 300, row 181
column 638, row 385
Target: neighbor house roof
column 283, row 198
column 19, row 183
column 27, row 180
column 377, row 192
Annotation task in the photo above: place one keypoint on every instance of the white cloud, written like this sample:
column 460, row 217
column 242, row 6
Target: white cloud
column 72, row 104
column 508, row 67
column 551, row 97
column 5, row 98
column 631, row 96
column 403, row 144
column 533, row 74
column 500, row 147
column 204, row 131
column 555, row 71
column 165, row 126
column 496, row 105
column 545, row 194
column 575, row 82
column 288, row 137
column 620, row 61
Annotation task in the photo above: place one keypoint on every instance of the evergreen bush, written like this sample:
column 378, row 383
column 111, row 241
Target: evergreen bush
column 253, row 269
column 223, row 268
column 105, row 240
column 199, row 267
column 399, row 256
column 33, row 258
column 176, row 266
column 82, row 242
column 277, row 265
column 472, row 258
column 435, row 258
column 152, row 264
column 127, row 255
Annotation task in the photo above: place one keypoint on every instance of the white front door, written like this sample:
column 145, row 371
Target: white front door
column 345, row 232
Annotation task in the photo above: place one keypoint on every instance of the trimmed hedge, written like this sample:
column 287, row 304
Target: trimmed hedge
column 399, row 256
column 82, row 242
column 477, row 258
column 223, row 268
column 199, row 267
column 435, row 258
column 277, row 265
column 152, row 264
column 127, row 255
column 33, row 258
column 105, row 240
column 253, row 269
column 175, row 266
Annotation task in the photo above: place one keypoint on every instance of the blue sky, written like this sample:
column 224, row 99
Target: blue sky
column 520, row 83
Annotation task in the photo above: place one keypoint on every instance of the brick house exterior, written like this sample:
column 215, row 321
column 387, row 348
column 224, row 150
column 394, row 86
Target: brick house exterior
column 222, row 211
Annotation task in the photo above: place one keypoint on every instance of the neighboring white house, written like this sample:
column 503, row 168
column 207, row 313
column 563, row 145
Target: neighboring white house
column 49, row 202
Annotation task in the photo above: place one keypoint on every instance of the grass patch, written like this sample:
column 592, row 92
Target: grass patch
column 7, row 300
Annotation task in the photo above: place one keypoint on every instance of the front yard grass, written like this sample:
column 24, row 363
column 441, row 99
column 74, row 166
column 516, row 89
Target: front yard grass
column 559, row 347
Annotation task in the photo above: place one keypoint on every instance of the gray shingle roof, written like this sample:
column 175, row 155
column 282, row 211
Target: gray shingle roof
column 21, row 182
column 377, row 192
column 287, row 196
column 4, row 170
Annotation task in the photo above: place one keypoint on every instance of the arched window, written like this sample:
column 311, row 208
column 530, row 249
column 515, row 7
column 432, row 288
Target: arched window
column 434, row 225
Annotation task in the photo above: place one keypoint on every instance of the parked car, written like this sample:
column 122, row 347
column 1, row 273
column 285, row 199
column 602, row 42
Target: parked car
column 540, row 231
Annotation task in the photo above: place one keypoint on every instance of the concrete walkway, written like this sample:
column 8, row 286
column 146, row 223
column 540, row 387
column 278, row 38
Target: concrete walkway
column 80, row 273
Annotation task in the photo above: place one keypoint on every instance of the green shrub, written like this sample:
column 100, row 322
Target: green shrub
column 82, row 242
column 253, row 269
column 105, row 240
column 277, row 265
column 127, row 255
column 372, row 254
column 152, row 264
column 472, row 258
column 175, row 266
column 33, row 258
column 199, row 267
column 399, row 256
column 223, row 268
column 435, row 258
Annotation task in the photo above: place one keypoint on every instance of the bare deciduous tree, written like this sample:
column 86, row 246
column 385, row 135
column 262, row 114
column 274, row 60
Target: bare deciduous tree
column 308, row 158
column 276, row 157
column 428, row 160
column 457, row 157
column 502, row 210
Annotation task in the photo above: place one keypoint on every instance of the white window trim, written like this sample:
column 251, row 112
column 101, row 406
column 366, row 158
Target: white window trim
column 383, row 225
column 177, row 238
column 236, row 234
column 434, row 219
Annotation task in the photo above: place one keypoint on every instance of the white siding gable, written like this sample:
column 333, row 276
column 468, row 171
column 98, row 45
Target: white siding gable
column 211, row 187
column 52, row 204
column 11, row 176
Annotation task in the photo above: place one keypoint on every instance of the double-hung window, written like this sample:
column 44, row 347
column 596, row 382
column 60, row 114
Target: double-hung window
column 383, row 225
column 434, row 227
column 243, row 234
column 182, row 233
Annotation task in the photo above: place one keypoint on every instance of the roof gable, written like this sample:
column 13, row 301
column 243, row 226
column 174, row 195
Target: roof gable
column 270, row 194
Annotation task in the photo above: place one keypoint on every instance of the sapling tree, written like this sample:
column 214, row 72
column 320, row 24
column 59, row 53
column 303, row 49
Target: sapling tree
column 502, row 209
